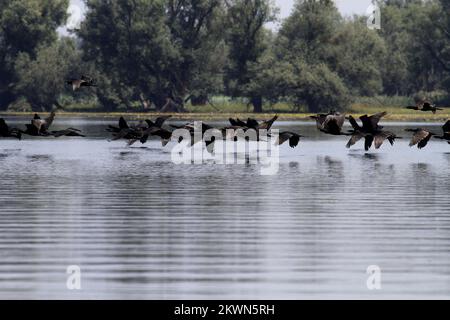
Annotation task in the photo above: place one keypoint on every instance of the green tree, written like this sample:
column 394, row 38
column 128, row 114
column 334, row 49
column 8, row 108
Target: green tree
column 41, row 80
column 309, row 31
column 247, row 41
column 356, row 54
column 25, row 25
column 154, row 49
column 196, row 28
column 417, row 46
column 309, row 41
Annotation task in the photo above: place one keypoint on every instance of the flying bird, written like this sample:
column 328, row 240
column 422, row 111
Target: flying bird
column 292, row 137
column 330, row 123
column 237, row 123
column 84, row 81
column 41, row 127
column 370, row 131
column 159, row 122
column 7, row 132
column 124, row 131
column 446, row 132
column 422, row 136
column 425, row 106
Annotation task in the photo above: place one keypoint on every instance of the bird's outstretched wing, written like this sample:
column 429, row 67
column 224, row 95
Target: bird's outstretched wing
column 266, row 125
column 333, row 123
column 123, row 123
column 160, row 120
column 121, row 134
column 49, row 120
column 446, row 126
column 353, row 123
column 293, row 138
column 69, row 132
column 320, row 119
column 354, row 138
column 233, row 122
column 4, row 129
column 283, row 137
column 371, row 123
column 252, row 123
column 381, row 136
column 419, row 136
column 368, row 140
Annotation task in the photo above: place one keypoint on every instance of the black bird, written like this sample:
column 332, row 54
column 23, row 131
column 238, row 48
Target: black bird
column 293, row 138
column 41, row 127
column 7, row 132
column 264, row 125
column 370, row 123
column 122, row 125
column 158, row 121
column 425, row 106
column 191, row 128
column 237, row 123
column 422, row 136
column 446, row 130
column 144, row 125
column 330, row 123
column 370, row 131
column 164, row 134
column 124, row 131
column 267, row 125
column 84, row 81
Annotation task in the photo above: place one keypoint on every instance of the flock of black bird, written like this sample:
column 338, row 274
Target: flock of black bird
column 330, row 123
column 37, row 128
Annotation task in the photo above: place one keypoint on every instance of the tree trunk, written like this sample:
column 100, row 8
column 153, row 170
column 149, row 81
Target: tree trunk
column 257, row 104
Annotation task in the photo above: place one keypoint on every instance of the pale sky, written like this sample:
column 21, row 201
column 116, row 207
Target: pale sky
column 347, row 7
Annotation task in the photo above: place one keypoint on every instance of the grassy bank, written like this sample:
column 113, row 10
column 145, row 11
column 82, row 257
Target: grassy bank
column 205, row 113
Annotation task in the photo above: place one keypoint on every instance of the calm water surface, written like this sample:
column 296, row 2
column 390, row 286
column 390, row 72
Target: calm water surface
column 142, row 227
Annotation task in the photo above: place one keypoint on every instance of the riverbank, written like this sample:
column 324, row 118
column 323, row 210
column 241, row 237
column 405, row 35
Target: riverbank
column 394, row 114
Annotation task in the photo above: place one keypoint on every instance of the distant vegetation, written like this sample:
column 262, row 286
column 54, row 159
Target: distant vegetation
column 219, row 56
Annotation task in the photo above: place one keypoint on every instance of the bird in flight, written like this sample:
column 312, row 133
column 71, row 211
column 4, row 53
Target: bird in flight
column 292, row 137
column 41, row 127
column 7, row 132
column 330, row 123
column 421, row 137
column 370, row 131
column 424, row 106
column 84, row 81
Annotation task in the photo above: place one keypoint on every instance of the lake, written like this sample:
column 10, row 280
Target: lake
column 141, row 227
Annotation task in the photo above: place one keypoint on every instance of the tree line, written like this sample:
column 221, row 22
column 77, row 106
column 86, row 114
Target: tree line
column 163, row 54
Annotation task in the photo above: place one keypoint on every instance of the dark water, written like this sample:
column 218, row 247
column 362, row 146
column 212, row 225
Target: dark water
column 140, row 226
